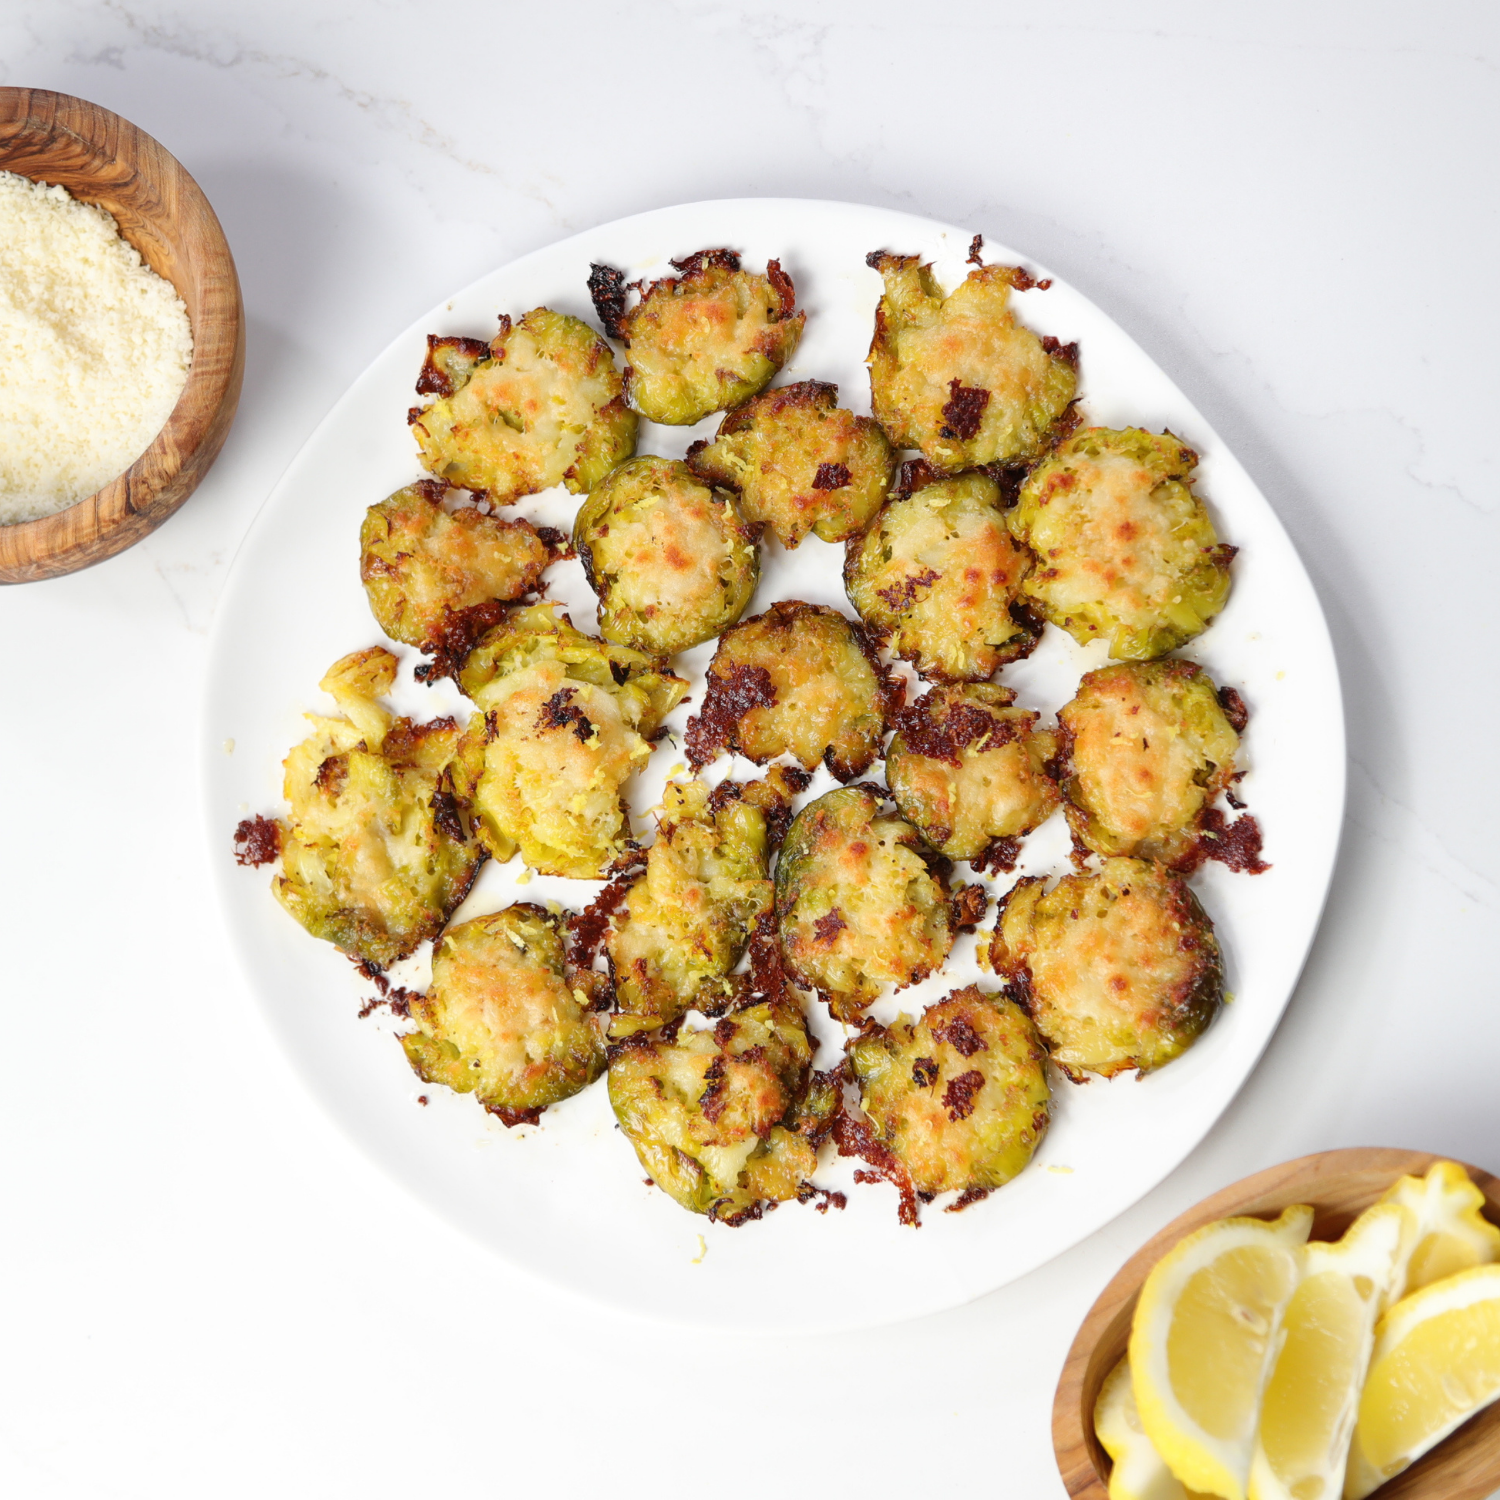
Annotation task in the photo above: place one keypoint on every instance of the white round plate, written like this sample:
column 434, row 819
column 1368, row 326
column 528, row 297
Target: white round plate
column 566, row 1199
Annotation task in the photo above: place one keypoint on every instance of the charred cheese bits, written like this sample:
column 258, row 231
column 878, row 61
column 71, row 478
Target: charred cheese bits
column 960, row 1096
column 703, row 340
column 1119, row 969
column 1146, row 748
column 374, row 853
column 860, row 903
column 671, row 559
column 504, row 1019
column 541, row 404
column 799, row 679
column 957, row 376
column 800, row 463
column 428, row 571
column 562, row 724
column 724, row 1120
column 689, row 915
column 938, row 577
column 970, row 770
column 1126, row 552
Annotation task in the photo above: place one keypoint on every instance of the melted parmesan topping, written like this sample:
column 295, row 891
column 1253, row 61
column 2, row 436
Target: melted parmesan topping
column 420, row 563
column 673, row 562
column 990, row 794
column 958, row 1116
column 926, row 342
column 801, row 463
column 941, row 571
column 1117, row 962
column 705, row 343
column 558, row 756
column 502, row 999
column 1151, row 747
column 826, row 690
column 533, row 416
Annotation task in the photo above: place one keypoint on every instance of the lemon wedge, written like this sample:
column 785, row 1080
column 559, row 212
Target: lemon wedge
column 1450, row 1233
column 1436, row 1362
column 1139, row 1472
column 1307, row 1414
column 1206, row 1330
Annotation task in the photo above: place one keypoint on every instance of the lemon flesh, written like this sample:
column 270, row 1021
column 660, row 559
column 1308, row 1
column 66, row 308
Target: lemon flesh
column 1139, row 1471
column 1307, row 1415
column 1450, row 1233
column 1205, row 1333
column 1436, row 1363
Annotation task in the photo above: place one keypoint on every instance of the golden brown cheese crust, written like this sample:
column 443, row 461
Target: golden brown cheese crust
column 704, row 340
column 423, row 565
column 374, row 853
column 544, row 405
column 564, row 721
column 671, row 559
column 688, row 918
column 859, row 903
column 1126, row 551
column 503, row 1019
column 971, row 772
column 1118, row 969
column 800, row 463
column 713, row 1115
column 939, row 577
column 1147, row 748
column 960, row 1096
column 957, row 376
column 800, row 679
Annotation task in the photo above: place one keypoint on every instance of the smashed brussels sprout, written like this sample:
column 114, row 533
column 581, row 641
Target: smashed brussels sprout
column 957, row 376
column 960, row 1096
column 429, row 571
column 543, row 404
column 703, row 340
column 503, row 1019
column 1126, row 551
column 714, row 1115
column 939, row 577
column 859, row 903
column 671, row 559
column 1146, row 748
column 800, row 462
column 800, row 679
column 970, row 771
column 374, row 853
column 1118, row 969
column 689, row 915
column 564, row 720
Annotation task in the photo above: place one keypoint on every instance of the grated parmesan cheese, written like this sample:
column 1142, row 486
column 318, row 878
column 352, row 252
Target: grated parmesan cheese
column 94, row 350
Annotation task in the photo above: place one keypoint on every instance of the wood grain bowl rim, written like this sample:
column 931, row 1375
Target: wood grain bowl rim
column 1338, row 1185
column 102, row 158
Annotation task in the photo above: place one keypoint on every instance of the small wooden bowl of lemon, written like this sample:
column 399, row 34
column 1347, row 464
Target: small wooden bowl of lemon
column 1300, row 1336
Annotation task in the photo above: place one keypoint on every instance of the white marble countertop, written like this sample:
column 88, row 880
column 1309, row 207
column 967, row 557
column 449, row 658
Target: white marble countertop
column 210, row 1291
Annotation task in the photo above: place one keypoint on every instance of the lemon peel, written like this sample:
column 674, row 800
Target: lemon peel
column 1449, row 1231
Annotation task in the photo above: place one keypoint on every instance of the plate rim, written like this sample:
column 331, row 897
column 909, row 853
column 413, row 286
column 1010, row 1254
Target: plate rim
column 221, row 869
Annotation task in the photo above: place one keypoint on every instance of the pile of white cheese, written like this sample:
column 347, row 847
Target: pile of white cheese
column 94, row 350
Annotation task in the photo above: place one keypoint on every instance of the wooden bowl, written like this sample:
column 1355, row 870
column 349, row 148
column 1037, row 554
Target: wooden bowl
column 1338, row 1185
column 102, row 159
